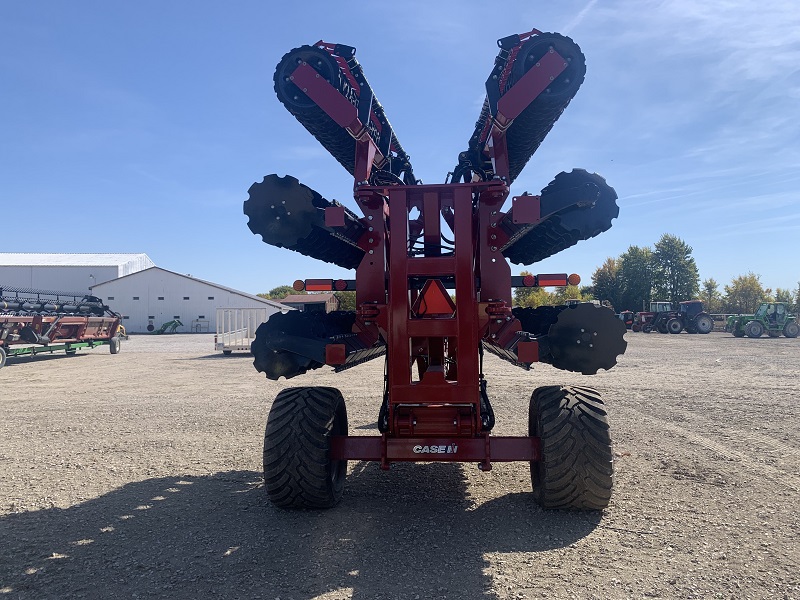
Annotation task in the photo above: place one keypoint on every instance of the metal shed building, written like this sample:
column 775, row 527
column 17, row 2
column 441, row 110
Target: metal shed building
column 67, row 272
column 149, row 298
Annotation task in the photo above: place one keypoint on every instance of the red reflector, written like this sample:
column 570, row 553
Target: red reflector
column 528, row 351
column 319, row 285
column 433, row 300
column 335, row 354
column 340, row 285
column 558, row 280
column 529, row 280
column 574, row 279
column 334, row 216
column 299, row 285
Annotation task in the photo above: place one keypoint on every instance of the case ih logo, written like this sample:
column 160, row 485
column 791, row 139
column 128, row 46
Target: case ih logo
column 451, row 449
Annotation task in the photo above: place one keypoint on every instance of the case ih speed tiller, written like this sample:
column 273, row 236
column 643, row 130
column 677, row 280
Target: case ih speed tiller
column 413, row 244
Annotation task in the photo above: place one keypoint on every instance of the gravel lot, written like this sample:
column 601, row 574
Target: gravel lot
column 137, row 475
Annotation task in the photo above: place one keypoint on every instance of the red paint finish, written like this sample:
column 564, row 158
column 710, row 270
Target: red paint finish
column 440, row 449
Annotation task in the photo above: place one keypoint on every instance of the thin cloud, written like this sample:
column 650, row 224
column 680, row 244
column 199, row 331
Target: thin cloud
column 574, row 23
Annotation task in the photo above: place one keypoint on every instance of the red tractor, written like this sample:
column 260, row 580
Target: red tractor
column 412, row 246
column 643, row 321
column 689, row 317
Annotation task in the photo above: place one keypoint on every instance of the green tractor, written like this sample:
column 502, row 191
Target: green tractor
column 771, row 317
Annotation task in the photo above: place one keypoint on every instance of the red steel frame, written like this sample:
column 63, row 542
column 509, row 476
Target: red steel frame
column 435, row 417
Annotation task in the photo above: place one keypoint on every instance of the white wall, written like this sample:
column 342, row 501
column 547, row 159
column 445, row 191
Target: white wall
column 57, row 278
column 198, row 313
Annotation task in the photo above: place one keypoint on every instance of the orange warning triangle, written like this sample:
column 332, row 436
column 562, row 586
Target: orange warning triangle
column 433, row 301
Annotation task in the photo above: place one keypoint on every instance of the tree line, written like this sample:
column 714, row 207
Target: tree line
column 347, row 300
column 630, row 281
column 668, row 272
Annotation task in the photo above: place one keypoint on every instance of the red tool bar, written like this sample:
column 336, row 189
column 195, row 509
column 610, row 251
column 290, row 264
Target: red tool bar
column 493, row 449
column 545, row 280
column 324, row 94
column 533, row 83
column 324, row 285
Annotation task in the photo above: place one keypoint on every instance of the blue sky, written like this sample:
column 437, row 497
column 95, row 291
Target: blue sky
column 139, row 126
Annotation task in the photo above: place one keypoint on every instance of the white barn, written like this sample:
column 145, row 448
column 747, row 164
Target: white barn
column 149, row 298
column 75, row 273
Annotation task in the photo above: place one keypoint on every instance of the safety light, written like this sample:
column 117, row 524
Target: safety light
column 552, row 280
column 319, row 285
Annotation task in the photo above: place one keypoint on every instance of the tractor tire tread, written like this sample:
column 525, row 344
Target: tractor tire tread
column 297, row 466
column 575, row 469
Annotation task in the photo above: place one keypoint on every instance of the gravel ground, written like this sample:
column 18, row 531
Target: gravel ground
column 137, row 475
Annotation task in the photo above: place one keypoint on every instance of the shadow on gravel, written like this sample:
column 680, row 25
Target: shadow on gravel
column 411, row 532
column 221, row 356
column 33, row 359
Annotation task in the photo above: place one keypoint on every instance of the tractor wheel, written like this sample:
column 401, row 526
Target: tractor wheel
column 703, row 323
column 647, row 328
column 575, row 467
column 674, row 325
column 2, row 357
column 791, row 329
column 738, row 333
column 754, row 329
column 298, row 470
column 635, row 328
column 662, row 328
column 114, row 345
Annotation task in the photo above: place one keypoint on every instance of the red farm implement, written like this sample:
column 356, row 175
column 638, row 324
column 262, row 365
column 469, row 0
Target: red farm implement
column 37, row 321
column 415, row 243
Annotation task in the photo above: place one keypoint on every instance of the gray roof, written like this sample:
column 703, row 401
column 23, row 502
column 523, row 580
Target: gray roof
column 36, row 259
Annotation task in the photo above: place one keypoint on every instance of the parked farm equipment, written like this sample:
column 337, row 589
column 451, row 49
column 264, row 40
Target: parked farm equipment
column 643, row 320
column 690, row 317
column 772, row 318
column 405, row 266
column 37, row 321
column 168, row 327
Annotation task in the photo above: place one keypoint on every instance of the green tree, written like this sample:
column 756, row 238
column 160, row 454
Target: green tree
column 796, row 307
column 604, row 282
column 570, row 292
column 347, row 300
column 744, row 294
column 711, row 296
column 280, row 292
column 784, row 295
column 532, row 296
column 675, row 274
column 634, row 278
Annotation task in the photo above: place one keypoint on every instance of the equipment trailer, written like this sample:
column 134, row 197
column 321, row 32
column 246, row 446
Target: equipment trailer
column 37, row 321
column 405, row 264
